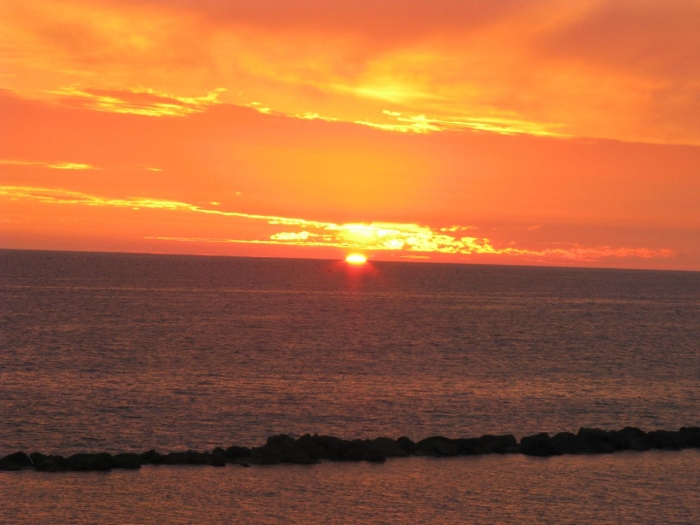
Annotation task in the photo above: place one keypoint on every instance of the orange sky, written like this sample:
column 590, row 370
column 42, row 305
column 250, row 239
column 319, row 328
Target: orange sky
column 510, row 132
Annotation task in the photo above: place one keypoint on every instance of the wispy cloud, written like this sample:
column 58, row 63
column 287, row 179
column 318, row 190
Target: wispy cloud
column 139, row 101
column 59, row 196
column 51, row 165
column 407, row 239
column 394, row 121
column 423, row 124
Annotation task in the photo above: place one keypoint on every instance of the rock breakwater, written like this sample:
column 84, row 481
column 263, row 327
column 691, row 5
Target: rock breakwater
column 310, row 449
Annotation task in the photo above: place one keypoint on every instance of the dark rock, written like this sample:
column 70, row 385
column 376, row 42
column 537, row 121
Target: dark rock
column 281, row 440
column 37, row 458
column 632, row 432
column 218, row 460
column 618, row 440
column 50, row 464
column 595, row 441
column 326, row 442
column 487, row 444
column 218, row 451
column 16, row 461
column 126, row 461
column 355, row 453
column 309, row 449
column 191, row 457
column 340, row 449
column 689, row 437
column 285, row 449
column 374, row 456
column 567, row 443
column 233, row 453
column 300, row 458
column 175, row 458
column 664, row 439
column 500, row 444
column 264, row 456
column 308, row 443
column 152, row 457
column 282, row 443
column 538, row 445
column 197, row 458
column 438, row 446
column 324, row 447
column 89, row 462
column 635, row 437
column 218, row 457
column 386, row 447
column 406, row 444
column 466, row 446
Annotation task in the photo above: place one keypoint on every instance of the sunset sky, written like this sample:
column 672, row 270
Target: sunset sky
column 552, row 132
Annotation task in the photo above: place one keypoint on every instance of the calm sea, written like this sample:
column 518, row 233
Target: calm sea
column 117, row 352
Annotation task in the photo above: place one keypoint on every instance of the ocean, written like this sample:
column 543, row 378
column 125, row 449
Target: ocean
column 127, row 352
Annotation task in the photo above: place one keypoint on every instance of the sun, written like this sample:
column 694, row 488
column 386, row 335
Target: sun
column 356, row 258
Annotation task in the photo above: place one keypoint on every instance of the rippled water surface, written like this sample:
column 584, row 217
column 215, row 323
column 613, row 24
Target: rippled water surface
column 128, row 352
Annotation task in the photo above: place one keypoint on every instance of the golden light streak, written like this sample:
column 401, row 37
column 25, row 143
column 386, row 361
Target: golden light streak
column 423, row 124
column 377, row 236
column 396, row 122
column 54, row 165
column 575, row 253
column 58, row 196
column 140, row 101
column 71, row 166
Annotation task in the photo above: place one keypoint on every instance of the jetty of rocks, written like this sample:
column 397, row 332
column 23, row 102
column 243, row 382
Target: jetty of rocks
column 310, row 449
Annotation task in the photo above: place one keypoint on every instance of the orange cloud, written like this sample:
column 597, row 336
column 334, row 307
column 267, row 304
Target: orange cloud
column 534, row 67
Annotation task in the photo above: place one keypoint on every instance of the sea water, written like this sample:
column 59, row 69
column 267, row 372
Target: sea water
column 117, row 352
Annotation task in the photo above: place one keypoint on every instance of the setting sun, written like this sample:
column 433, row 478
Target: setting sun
column 356, row 258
